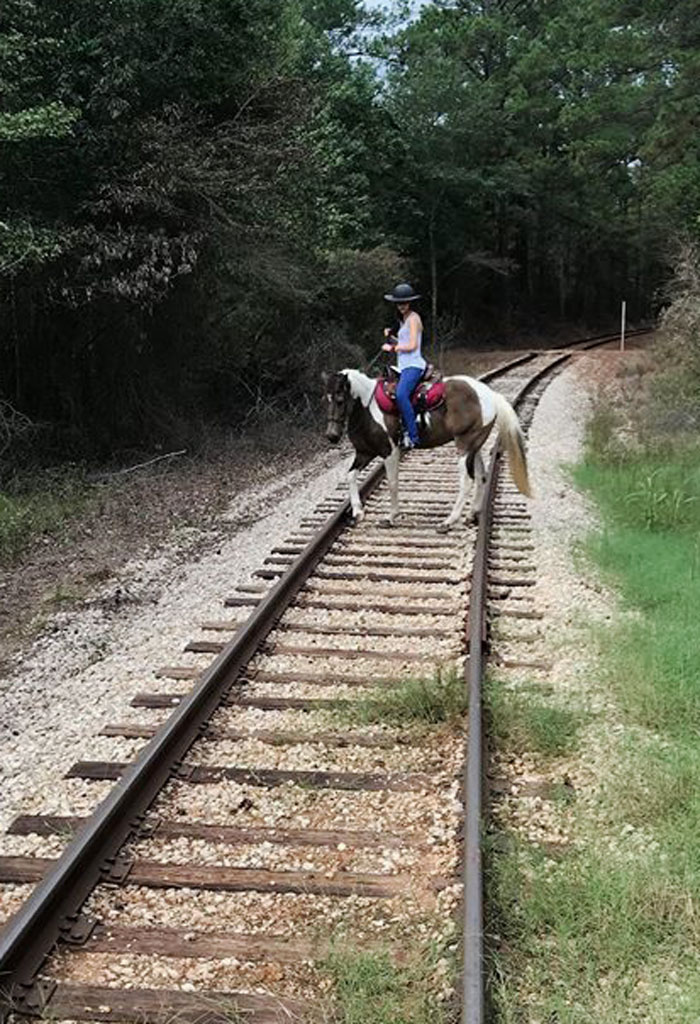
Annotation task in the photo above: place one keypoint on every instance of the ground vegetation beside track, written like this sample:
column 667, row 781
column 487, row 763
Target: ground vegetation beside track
column 595, row 886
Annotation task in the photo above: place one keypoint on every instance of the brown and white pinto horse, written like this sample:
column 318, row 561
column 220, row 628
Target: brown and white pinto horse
column 467, row 415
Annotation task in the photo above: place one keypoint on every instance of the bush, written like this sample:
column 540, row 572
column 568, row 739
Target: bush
column 675, row 394
column 356, row 283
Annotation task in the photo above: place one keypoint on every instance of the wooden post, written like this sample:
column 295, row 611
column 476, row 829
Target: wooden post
column 623, row 324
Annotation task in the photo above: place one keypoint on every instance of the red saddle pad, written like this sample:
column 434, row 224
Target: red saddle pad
column 433, row 394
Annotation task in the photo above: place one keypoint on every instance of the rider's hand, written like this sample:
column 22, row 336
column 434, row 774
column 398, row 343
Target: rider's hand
column 387, row 348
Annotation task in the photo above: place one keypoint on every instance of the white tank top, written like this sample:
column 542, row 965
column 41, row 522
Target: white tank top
column 406, row 359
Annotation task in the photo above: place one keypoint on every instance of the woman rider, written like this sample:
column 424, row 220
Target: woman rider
column 410, row 361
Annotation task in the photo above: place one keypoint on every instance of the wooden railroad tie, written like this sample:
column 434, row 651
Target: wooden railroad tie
column 268, row 778
column 233, row 835
column 152, row 874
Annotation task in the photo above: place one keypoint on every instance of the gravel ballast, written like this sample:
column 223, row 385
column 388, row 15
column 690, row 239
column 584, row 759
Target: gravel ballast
column 90, row 662
column 138, row 640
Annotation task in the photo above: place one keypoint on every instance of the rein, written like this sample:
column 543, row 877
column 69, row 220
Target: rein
column 371, row 364
column 337, row 421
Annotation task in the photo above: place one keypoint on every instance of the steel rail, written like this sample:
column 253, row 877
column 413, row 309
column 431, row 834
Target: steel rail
column 473, row 980
column 595, row 342
column 584, row 343
column 52, row 911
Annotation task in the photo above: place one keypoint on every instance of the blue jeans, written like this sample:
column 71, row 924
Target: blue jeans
column 404, row 389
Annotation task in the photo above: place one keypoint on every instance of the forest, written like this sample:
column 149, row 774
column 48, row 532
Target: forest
column 203, row 201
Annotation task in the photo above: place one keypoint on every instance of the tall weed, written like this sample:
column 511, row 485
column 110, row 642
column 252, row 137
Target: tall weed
column 660, row 507
column 601, row 437
column 429, row 701
column 649, row 488
column 371, row 988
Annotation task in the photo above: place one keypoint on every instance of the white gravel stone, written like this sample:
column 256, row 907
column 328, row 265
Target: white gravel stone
column 99, row 663
column 282, row 914
column 89, row 664
column 291, row 806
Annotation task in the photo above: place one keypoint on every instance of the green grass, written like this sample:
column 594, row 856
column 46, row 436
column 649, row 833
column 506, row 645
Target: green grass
column 523, row 723
column 41, row 507
column 609, row 931
column 442, row 698
column 371, row 988
column 596, row 939
column 653, row 561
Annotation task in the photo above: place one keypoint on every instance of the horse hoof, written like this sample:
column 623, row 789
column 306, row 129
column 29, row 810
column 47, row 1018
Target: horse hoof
column 443, row 527
column 356, row 520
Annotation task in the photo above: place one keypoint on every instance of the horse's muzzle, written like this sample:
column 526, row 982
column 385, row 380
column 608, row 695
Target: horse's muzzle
column 333, row 436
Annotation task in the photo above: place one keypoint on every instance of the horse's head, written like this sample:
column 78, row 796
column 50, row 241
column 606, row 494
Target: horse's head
column 337, row 391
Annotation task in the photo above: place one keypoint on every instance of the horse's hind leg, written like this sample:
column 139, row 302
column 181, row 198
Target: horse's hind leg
column 358, row 463
column 459, row 504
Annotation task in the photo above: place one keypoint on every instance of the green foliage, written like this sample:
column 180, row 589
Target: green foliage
column 185, row 187
column 661, row 576
column 675, row 393
column 659, row 507
column 523, row 723
column 370, row 988
column 40, row 506
column 620, row 938
column 530, row 169
column 201, row 164
column 651, row 503
column 430, row 701
column 51, row 121
column 644, row 492
column 23, row 244
column 607, row 929
column 602, row 432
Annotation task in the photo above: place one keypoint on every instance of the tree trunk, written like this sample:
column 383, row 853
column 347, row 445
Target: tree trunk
column 434, row 288
column 16, row 346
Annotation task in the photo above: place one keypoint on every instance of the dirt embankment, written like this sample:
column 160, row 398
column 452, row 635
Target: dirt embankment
column 175, row 509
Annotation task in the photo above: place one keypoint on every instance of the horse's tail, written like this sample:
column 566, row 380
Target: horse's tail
column 511, row 436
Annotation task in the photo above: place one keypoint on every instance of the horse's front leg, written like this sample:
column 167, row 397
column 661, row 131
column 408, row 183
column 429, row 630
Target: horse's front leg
column 480, row 484
column 358, row 513
column 391, row 468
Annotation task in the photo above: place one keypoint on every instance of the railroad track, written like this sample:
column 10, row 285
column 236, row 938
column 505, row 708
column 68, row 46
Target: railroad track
column 269, row 806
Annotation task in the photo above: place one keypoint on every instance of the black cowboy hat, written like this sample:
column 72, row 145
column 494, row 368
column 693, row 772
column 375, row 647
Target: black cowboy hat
column 402, row 293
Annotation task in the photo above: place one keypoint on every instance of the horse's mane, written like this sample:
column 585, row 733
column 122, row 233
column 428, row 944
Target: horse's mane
column 361, row 386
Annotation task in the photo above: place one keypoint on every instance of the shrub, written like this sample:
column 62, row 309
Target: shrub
column 675, row 393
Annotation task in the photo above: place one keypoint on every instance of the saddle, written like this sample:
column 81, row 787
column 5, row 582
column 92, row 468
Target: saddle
column 428, row 394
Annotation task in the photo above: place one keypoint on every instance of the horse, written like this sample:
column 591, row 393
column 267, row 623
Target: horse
column 460, row 408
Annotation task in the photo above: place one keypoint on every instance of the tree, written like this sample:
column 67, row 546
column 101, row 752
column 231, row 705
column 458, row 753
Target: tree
column 174, row 179
column 527, row 151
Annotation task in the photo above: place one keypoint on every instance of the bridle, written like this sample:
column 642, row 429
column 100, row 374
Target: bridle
column 338, row 411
